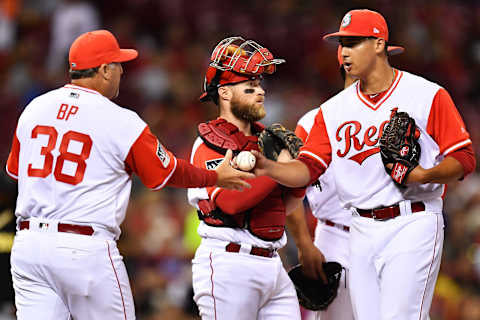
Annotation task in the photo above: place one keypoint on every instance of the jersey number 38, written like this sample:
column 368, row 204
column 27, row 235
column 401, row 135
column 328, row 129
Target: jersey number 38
column 64, row 155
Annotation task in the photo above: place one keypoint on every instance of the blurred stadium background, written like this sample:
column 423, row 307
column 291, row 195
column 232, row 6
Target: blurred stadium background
column 175, row 38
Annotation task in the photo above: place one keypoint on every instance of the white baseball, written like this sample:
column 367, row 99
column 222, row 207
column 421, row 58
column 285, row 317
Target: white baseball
column 245, row 161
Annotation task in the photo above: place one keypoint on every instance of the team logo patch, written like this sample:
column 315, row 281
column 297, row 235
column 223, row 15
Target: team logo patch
column 213, row 164
column 404, row 151
column 162, row 155
column 346, row 20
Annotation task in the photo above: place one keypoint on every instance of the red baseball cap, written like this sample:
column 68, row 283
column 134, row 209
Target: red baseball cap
column 95, row 48
column 361, row 23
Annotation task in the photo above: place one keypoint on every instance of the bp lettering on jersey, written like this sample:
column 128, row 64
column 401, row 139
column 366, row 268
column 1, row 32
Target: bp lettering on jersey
column 212, row 164
column 65, row 111
column 362, row 142
column 162, row 155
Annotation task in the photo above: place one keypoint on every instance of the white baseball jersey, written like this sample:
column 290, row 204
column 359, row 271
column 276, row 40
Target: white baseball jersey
column 348, row 127
column 345, row 135
column 323, row 199
column 73, row 154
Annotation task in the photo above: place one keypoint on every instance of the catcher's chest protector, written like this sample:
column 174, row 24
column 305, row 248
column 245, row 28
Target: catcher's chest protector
column 267, row 219
column 221, row 135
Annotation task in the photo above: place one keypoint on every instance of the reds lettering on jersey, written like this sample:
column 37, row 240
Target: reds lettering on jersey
column 348, row 127
column 73, row 154
column 349, row 131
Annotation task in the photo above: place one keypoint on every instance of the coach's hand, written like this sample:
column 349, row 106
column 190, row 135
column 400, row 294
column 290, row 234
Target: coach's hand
column 230, row 178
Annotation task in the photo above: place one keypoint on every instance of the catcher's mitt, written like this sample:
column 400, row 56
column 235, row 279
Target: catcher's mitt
column 314, row 294
column 399, row 146
column 276, row 137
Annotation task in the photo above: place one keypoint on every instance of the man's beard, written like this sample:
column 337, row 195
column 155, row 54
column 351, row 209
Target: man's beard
column 247, row 112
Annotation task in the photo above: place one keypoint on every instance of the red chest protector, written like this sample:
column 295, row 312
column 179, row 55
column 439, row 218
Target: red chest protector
column 267, row 219
column 221, row 135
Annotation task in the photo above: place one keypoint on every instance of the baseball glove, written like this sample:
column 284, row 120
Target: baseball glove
column 399, row 146
column 314, row 294
column 276, row 137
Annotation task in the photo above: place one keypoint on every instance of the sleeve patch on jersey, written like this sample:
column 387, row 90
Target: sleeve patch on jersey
column 162, row 155
column 213, row 164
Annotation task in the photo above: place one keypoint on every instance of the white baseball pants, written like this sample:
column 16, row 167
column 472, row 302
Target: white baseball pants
column 57, row 275
column 241, row 286
column 334, row 244
column 394, row 265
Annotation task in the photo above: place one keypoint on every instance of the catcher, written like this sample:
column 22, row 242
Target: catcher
column 237, row 272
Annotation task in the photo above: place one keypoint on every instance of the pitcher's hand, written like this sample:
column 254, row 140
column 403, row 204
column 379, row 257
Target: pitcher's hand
column 261, row 163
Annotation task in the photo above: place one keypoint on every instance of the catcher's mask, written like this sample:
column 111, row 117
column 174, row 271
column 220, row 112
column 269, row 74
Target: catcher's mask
column 236, row 60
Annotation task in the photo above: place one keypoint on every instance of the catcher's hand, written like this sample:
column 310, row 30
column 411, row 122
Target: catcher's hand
column 399, row 147
column 315, row 294
column 276, row 137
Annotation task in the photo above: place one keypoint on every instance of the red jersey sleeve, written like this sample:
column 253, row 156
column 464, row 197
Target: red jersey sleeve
column 317, row 151
column 301, row 132
column 445, row 125
column 232, row 202
column 206, row 158
column 12, row 162
column 189, row 176
column 151, row 161
column 466, row 157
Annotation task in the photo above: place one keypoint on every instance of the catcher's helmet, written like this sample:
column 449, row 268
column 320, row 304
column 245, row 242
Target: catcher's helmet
column 236, row 60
